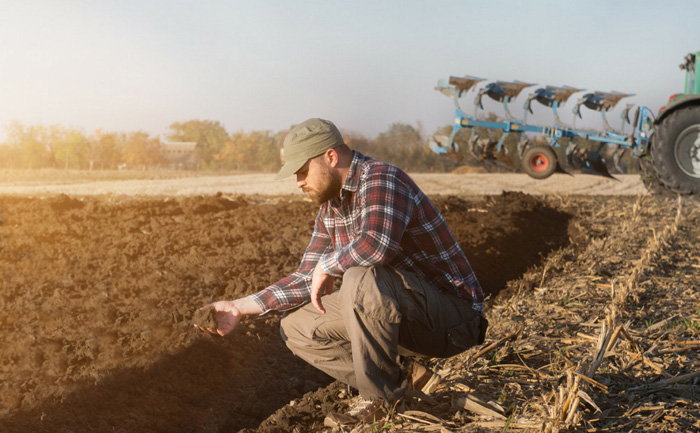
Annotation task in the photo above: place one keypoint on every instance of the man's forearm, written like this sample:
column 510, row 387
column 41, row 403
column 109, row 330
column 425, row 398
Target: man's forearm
column 247, row 306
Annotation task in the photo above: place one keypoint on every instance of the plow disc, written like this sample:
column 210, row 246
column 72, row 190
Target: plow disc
column 587, row 162
column 492, row 157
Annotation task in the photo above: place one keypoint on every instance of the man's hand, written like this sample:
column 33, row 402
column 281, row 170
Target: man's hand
column 227, row 317
column 321, row 284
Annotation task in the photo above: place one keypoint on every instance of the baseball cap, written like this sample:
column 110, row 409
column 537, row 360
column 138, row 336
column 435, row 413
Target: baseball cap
column 305, row 141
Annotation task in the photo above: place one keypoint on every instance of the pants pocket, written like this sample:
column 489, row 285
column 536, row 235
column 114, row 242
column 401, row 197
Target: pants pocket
column 369, row 299
column 465, row 335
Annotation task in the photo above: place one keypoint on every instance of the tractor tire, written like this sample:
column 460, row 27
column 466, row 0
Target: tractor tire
column 676, row 151
column 539, row 162
column 650, row 179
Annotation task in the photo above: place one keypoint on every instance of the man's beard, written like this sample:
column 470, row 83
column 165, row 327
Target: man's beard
column 330, row 186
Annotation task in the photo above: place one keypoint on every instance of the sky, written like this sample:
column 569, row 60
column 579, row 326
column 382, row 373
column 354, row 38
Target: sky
column 130, row 65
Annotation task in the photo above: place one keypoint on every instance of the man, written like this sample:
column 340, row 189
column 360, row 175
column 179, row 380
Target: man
column 407, row 288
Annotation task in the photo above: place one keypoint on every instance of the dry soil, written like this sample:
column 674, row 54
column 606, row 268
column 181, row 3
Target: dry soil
column 100, row 282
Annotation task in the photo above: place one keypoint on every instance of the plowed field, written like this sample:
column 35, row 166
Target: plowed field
column 97, row 294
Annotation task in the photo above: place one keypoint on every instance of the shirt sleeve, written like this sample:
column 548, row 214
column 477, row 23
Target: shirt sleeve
column 295, row 290
column 386, row 207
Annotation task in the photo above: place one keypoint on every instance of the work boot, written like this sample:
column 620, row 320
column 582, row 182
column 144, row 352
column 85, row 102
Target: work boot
column 421, row 378
column 361, row 412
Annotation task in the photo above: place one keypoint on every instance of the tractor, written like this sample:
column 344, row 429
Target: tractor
column 666, row 146
column 675, row 145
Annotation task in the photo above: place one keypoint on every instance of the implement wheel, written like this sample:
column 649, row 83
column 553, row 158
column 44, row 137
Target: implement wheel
column 539, row 162
column 676, row 152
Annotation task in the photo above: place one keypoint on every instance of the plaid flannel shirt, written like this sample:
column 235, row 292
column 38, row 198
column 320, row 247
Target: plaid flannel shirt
column 380, row 218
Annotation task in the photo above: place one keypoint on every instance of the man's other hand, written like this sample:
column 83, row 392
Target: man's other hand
column 321, row 284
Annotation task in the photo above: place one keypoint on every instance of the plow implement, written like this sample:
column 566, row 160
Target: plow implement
column 556, row 148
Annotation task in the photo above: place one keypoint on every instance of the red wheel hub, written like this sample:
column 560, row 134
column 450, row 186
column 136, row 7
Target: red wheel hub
column 539, row 162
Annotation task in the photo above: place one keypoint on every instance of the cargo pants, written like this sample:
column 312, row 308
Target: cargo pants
column 378, row 315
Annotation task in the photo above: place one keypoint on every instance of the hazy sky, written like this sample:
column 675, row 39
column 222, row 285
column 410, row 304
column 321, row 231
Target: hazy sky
column 128, row 65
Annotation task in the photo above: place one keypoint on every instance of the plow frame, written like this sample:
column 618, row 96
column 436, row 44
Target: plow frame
column 637, row 141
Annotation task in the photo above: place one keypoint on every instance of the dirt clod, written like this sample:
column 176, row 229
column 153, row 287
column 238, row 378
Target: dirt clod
column 205, row 318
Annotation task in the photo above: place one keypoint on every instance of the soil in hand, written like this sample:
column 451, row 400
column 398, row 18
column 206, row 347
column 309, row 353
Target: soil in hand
column 205, row 318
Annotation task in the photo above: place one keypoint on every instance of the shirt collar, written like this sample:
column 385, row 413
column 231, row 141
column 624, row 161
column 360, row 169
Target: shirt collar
column 352, row 180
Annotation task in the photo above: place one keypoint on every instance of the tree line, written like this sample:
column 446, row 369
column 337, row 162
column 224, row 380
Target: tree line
column 40, row 146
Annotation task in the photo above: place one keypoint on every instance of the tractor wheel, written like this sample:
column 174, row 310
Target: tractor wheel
column 539, row 162
column 651, row 180
column 676, row 152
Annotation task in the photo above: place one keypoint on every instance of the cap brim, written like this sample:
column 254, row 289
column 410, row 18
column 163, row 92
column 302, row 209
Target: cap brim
column 289, row 169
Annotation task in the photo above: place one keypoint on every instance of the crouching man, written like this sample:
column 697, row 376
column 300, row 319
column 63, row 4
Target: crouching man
column 407, row 288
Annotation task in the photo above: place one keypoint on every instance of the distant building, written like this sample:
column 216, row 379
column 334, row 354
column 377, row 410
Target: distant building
column 179, row 154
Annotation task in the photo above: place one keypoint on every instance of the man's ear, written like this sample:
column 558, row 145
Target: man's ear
column 331, row 157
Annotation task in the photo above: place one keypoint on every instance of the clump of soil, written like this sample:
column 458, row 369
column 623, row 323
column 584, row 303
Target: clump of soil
column 62, row 202
column 205, row 318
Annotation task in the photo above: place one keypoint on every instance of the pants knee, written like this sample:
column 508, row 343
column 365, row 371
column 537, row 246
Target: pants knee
column 353, row 275
column 289, row 329
column 283, row 325
column 297, row 326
